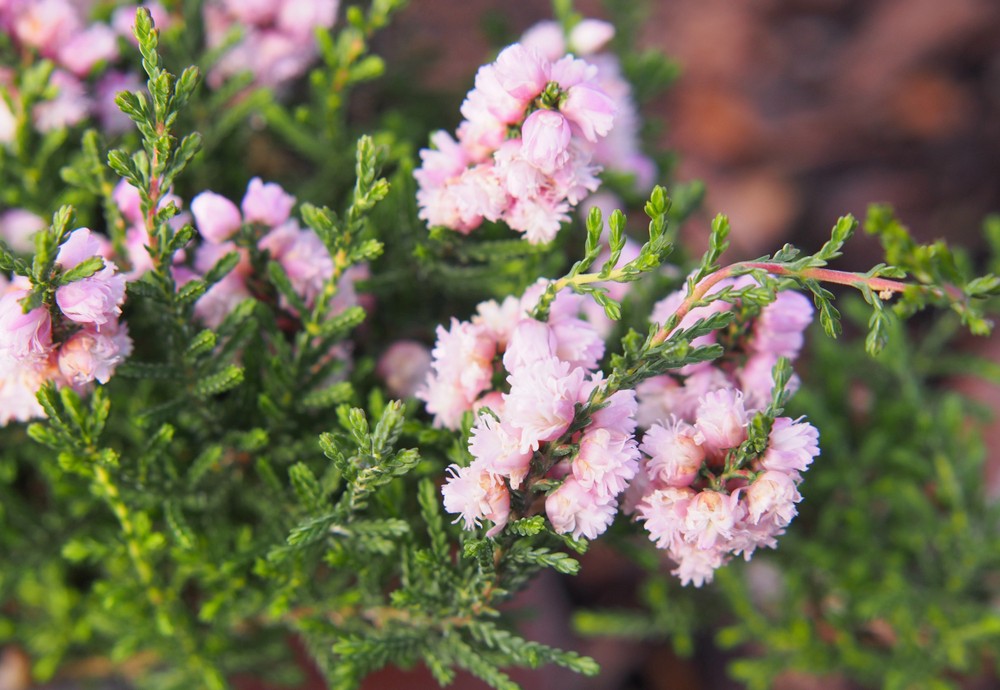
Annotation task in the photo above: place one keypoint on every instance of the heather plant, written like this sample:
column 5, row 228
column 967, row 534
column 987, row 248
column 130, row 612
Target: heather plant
column 356, row 406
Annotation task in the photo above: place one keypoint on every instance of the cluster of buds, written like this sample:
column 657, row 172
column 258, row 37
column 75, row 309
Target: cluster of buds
column 73, row 340
column 524, row 153
column 703, row 492
column 548, row 370
column 265, row 215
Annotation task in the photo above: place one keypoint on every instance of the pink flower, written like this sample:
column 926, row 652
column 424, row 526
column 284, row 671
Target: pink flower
column 462, row 369
column 80, row 245
column 69, row 107
column 606, row 462
column 404, row 367
column 128, row 200
column 19, row 384
column 110, row 84
column 664, row 512
column 675, row 453
column 499, row 320
column 780, row 328
column 220, row 299
column 254, row 11
column 618, row 414
column 530, row 342
column 792, row 446
column 722, row 420
column 93, row 355
column 267, row 204
column 216, row 217
column 85, row 49
column 24, row 337
column 547, row 38
column 46, row 24
column 495, row 445
column 590, row 109
column 590, row 36
column 301, row 19
column 95, row 300
column 696, row 566
column 710, row 518
column 542, row 399
column 545, row 137
column 522, row 72
column 574, row 510
column 773, row 495
column 18, row 227
column 474, row 494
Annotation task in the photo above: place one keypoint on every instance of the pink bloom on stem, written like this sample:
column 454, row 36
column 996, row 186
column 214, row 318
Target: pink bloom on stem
column 590, row 109
column 574, row 510
column 80, row 245
column 91, row 355
column 19, row 384
column 722, row 420
column 710, row 518
column 499, row 319
column 547, row 38
column 664, row 512
column 606, row 462
column 46, row 24
column 495, row 445
column 24, row 337
column 780, row 328
column 254, row 11
column 773, row 494
column 696, row 566
column 675, row 453
column 216, row 217
column 545, row 137
column 541, row 401
column 95, row 300
column 618, row 414
column 530, row 341
column 474, row 494
column 267, row 204
column 522, row 72
column 792, row 446
column 220, row 299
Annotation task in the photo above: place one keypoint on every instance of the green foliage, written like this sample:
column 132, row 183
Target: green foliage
column 244, row 483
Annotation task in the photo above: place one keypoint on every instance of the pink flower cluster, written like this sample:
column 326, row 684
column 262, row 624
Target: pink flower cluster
column 277, row 37
column 778, row 331
column 266, row 209
column 524, row 151
column 701, row 510
column 58, row 30
column 621, row 149
column 550, row 369
column 74, row 342
column 693, row 504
